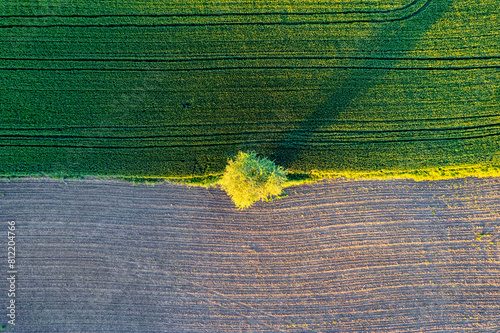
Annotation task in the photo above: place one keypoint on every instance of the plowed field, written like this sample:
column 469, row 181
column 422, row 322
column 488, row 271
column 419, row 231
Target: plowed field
column 174, row 88
column 337, row 256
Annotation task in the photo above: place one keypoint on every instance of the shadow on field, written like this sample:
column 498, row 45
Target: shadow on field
column 386, row 37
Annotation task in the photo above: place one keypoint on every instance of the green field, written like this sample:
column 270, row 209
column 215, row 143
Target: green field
column 174, row 88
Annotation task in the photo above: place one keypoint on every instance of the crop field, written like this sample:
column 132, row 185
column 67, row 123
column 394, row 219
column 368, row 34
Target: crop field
column 173, row 88
column 333, row 257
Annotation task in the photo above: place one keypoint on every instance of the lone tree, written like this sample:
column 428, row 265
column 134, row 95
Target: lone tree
column 250, row 178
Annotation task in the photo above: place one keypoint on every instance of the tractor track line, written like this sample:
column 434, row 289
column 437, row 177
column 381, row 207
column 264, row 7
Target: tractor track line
column 244, row 124
column 318, row 143
column 414, row 2
column 404, row 18
column 322, row 132
column 245, row 58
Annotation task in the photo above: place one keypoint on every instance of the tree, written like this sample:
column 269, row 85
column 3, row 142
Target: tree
column 250, row 178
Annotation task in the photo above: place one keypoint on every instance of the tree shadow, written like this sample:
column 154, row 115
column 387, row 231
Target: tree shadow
column 395, row 35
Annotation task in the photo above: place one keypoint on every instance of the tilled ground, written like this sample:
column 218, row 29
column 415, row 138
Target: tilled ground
column 337, row 256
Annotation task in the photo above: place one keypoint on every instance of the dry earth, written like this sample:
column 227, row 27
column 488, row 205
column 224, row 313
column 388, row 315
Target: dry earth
column 337, row 256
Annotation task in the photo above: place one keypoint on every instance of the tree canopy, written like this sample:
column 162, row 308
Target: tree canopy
column 249, row 178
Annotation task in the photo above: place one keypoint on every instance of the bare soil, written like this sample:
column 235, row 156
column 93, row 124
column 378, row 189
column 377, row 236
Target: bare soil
column 337, row 256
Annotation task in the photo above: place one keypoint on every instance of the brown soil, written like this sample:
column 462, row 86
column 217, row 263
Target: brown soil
column 337, row 256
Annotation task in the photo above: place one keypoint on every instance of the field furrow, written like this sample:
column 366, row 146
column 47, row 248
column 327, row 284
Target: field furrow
column 336, row 256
